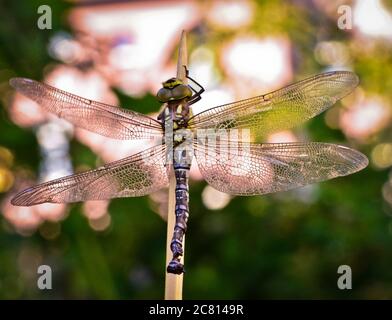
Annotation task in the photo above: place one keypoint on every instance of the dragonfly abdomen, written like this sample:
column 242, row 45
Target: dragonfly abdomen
column 182, row 197
column 181, row 173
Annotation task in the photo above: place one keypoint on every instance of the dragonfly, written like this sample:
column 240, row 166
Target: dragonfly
column 234, row 164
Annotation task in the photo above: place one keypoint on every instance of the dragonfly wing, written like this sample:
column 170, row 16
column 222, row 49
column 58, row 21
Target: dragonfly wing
column 101, row 118
column 251, row 169
column 281, row 109
column 134, row 176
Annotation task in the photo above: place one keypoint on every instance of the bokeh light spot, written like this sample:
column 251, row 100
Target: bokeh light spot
column 6, row 179
column 382, row 155
column 214, row 199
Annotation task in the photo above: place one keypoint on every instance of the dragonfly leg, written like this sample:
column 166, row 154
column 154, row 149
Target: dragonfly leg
column 194, row 100
column 197, row 96
column 198, row 84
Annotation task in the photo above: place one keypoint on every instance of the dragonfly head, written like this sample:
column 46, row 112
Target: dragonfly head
column 172, row 90
column 171, row 83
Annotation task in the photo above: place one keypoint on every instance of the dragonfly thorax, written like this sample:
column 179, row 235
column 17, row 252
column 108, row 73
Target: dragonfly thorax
column 175, row 115
column 172, row 90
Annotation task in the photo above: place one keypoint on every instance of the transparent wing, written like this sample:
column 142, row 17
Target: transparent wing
column 251, row 169
column 101, row 118
column 281, row 109
column 137, row 175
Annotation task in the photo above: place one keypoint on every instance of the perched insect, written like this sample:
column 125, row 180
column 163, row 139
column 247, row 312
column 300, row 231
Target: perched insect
column 230, row 163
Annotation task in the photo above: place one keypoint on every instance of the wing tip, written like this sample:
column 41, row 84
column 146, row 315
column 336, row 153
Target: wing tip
column 363, row 161
column 25, row 198
column 358, row 160
column 18, row 201
column 13, row 82
column 16, row 82
column 348, row 76
column 353, row 77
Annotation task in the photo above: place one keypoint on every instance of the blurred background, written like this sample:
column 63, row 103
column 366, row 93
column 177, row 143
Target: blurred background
column 285, row 245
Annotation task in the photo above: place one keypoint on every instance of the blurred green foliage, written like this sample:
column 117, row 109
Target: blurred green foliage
column 273, row 246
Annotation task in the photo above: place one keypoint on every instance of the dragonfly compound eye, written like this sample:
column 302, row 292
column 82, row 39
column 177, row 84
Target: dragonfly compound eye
column 181, row 91
column 164, row 95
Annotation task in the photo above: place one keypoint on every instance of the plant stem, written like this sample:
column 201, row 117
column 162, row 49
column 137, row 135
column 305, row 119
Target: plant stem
column 173, row 282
